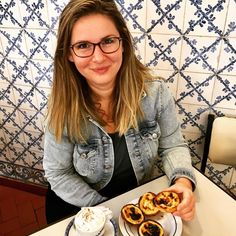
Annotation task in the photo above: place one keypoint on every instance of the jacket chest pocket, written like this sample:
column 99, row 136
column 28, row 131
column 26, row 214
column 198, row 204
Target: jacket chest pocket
column 150, row 134
column 88, row 162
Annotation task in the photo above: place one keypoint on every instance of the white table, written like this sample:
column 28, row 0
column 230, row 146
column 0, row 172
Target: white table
column 215, row 209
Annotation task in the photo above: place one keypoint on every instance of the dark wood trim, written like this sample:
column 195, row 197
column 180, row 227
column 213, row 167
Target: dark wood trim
column 28, row 187
column 207, row 142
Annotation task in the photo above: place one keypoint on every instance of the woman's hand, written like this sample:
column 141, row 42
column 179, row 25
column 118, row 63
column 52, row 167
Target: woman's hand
column 186, row 209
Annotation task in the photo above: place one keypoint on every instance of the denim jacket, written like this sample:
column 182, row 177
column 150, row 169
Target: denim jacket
column 76, row 171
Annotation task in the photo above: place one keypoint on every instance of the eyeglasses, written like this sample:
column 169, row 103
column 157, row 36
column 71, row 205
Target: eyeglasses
column 86, row 49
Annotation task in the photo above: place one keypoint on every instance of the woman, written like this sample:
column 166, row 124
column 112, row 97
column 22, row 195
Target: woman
column 108, row 119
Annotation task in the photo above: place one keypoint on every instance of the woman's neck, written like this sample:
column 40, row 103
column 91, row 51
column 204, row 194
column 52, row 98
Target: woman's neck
column 103, row 100
column 102, row 92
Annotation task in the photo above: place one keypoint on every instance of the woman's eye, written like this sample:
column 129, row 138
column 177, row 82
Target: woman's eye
column 108, row 41
column 82, row 45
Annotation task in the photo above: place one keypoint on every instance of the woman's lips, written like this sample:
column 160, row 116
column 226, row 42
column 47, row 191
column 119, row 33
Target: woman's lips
column 101, row 70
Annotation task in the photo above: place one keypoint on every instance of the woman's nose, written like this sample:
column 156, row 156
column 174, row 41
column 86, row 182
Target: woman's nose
column 98, row 55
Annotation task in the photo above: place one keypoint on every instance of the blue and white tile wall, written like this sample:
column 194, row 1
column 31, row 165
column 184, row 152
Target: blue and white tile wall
column 192, row 43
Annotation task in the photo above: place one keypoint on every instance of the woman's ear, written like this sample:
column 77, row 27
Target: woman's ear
column 70, row 57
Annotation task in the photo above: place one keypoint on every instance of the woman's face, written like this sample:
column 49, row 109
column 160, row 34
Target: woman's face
column 99, row 69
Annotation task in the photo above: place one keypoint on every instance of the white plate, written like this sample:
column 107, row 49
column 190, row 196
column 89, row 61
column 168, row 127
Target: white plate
column 110, row 229
column 172, row 224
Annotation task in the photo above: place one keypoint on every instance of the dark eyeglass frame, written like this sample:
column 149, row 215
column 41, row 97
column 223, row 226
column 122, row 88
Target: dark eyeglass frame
column 96, row 44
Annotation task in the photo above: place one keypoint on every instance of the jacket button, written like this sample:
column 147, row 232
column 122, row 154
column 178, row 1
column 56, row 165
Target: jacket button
column 83, row 155
column 104, row 139
column 154, row 135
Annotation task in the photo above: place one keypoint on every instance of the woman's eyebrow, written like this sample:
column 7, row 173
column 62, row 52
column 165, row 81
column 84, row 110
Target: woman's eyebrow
column 87, row 41
column 110, row 35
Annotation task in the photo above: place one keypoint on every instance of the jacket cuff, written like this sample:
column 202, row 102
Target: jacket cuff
column 183, row 173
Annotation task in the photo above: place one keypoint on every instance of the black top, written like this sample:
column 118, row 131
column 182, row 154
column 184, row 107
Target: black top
column 123, row 178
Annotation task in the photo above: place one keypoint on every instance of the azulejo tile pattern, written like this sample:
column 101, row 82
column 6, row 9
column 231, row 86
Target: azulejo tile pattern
column 192, row 43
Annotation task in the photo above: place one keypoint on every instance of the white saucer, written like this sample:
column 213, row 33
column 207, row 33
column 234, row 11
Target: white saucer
column 111, row 229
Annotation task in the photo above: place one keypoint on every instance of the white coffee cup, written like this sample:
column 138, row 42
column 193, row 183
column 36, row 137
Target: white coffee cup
column 90, row 221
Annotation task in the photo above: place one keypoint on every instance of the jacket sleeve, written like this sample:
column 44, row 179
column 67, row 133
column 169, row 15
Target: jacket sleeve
column 173, row 149
column 60, row 173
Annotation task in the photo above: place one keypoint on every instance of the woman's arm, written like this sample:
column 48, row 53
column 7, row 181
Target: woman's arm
column 176, row 157
column 60, row 173
column 173, row 149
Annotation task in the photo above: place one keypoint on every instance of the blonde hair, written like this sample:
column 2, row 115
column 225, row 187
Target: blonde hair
column 70, row 103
